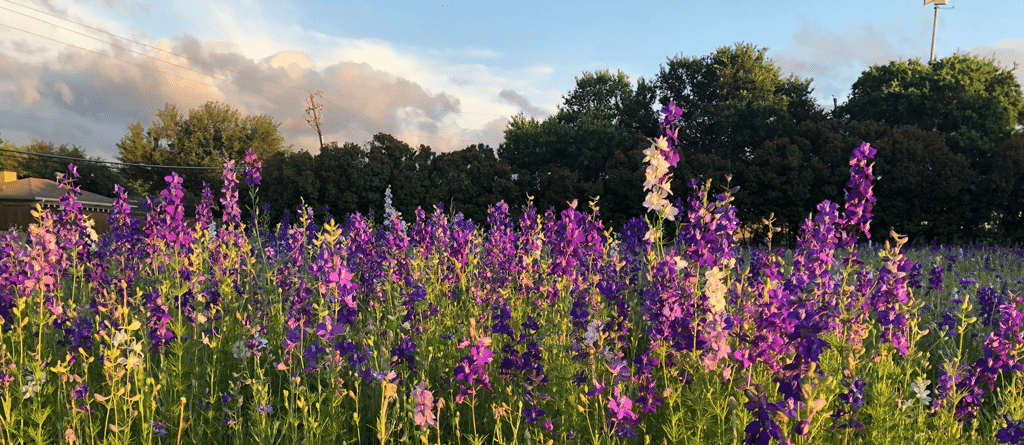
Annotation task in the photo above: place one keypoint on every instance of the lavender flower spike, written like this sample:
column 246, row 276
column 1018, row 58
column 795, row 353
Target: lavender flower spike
column 859, row 194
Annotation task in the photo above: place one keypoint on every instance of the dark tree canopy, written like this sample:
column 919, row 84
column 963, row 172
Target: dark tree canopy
column 593, row 141
column 1007, row 183
column 949, row 163
column 733, row 99
column 972, row 101
column 95, row 177
column 606, row 96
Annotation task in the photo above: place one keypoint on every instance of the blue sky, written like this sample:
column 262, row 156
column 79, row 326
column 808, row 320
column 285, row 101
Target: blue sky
column 442, row 74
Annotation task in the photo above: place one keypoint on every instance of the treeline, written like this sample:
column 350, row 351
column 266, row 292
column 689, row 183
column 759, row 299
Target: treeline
column 349, row 178
column 44, row 159
column 950, row 162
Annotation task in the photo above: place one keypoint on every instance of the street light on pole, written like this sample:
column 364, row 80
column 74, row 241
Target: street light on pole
column 935, row 24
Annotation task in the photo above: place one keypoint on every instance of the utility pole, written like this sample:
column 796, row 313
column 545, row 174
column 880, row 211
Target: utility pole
column 935, row 23
column 314, row 111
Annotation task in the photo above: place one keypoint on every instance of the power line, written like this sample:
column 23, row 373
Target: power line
column 116, row 58
column 172, row 53
column 418, row 135
column 170, row 73
column 143, row 44
column 148, row 166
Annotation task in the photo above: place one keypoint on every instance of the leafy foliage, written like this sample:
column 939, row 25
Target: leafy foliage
column 732, row 99
column 972, row 101
column 95, row 177
column 207, row 137
column 593, row 141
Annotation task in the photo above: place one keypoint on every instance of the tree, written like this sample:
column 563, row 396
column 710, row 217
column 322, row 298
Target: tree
column 973, row 102
column 1008, row 181
column 340, row 170
column 924, row 190
column 4, row 162
column 734, row 99
column 390, row 161
column 290, row 179
column 470, row 180
column 94, row 176
column 137, row 147
column 612, row 97
column 209, row 136
column 566, row 156
column 789, row 176
column 622, row 196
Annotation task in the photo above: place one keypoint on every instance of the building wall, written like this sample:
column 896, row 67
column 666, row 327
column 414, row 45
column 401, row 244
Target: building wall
column 18, row 214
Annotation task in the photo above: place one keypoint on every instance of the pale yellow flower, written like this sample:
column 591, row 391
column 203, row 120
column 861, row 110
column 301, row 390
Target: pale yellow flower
column 714, row 290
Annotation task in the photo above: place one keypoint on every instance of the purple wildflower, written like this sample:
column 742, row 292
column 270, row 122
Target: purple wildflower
column 80, row 391
column 159, row 321
column 622, row 416
column 891, row 294
column 232, row 213
column 166, row 220
column 859, row 194
column 763, row 428
column 708, row 235
column 850, row 403
column 204, row 211
column 959, row 378
column 159, row 428
column 470, row 372
column 1012, row 433
column 405, row 353
column 253, row 168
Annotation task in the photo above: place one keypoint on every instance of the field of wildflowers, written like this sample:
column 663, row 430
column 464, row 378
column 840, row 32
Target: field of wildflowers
column 544, row 328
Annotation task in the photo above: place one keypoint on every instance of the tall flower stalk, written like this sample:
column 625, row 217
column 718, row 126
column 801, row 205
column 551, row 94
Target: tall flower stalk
column 658, row 181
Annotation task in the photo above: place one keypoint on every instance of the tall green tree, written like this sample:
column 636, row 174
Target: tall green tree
column 94, row 176
column 207, row 137
column 290, row 179
column 734, row 99
column 4, row 162
column 924, row 190
column 741, row 118
column 391, row 162
column 137, row 147
column 612, row 97
column 972, row 101
column 469, row 181
column 340, row 170
column 565, row 156
column 1007, row 183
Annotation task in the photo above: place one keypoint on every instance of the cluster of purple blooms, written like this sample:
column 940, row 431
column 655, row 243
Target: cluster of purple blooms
column 632, row 317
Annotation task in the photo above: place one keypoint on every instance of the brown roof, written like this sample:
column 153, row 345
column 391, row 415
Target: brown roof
column 36, row 189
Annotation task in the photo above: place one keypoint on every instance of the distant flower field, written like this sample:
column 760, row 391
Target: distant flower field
column 536, row 329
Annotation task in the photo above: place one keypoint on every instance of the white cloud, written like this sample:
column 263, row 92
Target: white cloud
column 258, row 63
column 1007, row 54
column 835, row 59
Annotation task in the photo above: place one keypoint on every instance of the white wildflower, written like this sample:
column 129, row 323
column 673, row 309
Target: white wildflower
column 239, row 351
column 920, row 387
column 31, row 386
column 593, row 333
column 389, row 208
column 680, row 262
column 714, row 290
column 658, row 181
column 120, row 337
